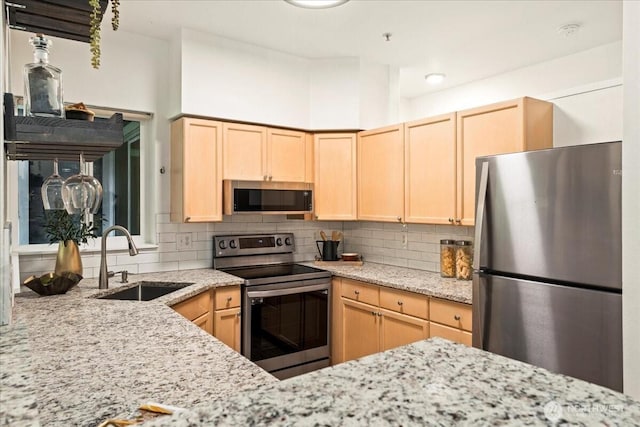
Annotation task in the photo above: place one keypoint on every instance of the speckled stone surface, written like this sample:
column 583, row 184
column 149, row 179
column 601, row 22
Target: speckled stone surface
column 94, row 359
column 429, row 383
column 18, row 406
column 408, row 279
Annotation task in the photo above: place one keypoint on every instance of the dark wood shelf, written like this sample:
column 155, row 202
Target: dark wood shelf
column 67, row 19
column 44, row 138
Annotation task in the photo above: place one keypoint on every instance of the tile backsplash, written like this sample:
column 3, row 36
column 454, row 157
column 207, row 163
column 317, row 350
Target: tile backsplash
column 167, row 257
column 406, row 245
column 410, row 245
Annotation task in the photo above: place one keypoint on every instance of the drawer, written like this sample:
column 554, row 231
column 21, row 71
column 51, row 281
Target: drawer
column 195, row 306
column 450, row 313
column 452, row 334
column 227, row 297
column 359, row 291
column 405, row 302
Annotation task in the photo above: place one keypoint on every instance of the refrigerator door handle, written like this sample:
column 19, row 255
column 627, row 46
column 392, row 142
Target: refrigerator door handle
column 482, row 195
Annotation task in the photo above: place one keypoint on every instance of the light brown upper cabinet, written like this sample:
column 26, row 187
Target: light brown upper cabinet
column 519, row 125
column 430, row 170
column 196, row 170
column 335, row 176
column 244, row 152
column 289, row 155
column 257, row 153
column 381, row 174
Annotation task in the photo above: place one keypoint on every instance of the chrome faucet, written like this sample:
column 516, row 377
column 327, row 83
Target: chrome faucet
column 103, row 278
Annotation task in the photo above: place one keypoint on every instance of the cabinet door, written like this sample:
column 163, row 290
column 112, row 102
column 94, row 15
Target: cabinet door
column 196, row 170
column 286, row 155
column 244, row 152
column 381, row 174
column 452, row 334
column 430, row 170
column 335, row 176
column 205, row 322
column 196, row 306
column 506, row 127
column 227, row 327
column 360, row 330
column 399, row 329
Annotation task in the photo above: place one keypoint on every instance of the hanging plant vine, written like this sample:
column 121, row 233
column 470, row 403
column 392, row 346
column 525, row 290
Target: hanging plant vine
column 94, row 31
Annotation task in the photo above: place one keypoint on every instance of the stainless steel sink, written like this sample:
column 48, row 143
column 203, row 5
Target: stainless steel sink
column 146, row 291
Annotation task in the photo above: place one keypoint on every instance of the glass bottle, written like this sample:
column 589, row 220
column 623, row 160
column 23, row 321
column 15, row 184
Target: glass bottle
column 42, row 82
column 447, row 258
column 464, row 259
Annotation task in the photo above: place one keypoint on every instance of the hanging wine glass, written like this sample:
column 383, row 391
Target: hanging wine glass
column 51, row 190
column 80, row 192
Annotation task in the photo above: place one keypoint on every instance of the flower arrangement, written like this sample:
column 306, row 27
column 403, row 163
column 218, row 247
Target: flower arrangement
column 62, row 227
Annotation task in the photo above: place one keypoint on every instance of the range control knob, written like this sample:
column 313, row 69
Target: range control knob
column 287, row 241
column 279, row 241
column 232, row 244
column 222, row 244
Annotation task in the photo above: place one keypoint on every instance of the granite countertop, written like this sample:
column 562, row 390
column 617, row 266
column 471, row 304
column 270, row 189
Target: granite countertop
column 75, row 360
column 408, row 279
column 428, row 383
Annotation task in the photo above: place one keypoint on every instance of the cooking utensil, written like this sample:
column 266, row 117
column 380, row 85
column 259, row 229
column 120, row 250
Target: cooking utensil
column 329, row 251
column 323, row 235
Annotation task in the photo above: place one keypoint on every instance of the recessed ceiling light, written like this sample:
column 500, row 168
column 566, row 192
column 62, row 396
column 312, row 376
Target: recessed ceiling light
column 434, row 78
column 316, row 4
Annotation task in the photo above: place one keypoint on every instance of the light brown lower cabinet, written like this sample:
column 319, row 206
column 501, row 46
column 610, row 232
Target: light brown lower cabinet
column 216, row 311
column 198, row 309
column 450, row 320
column 227, row 327
column 368, row 319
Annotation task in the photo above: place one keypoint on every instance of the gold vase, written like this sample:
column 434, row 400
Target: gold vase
column 68, row 259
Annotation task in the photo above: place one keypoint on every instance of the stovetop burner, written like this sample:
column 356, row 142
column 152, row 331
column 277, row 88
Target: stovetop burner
column 267, row 271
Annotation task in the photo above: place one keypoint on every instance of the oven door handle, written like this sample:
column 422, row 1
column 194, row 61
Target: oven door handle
column 288, row 291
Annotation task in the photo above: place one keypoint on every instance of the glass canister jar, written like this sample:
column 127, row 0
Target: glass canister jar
column 464, row 259
column 447, row 258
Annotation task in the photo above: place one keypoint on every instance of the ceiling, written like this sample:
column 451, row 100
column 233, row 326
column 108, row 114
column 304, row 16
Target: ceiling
column 466, row 40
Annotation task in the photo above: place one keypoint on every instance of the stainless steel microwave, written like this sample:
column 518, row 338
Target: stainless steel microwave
column 267, row 197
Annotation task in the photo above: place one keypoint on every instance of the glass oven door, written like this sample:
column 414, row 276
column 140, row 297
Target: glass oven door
column 286, row 324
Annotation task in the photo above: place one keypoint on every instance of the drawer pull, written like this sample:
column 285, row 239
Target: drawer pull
column 373, row 312
column 357, row 292
column 399, row 302
column 238, row 314
column 457, row 317
column 229, row 299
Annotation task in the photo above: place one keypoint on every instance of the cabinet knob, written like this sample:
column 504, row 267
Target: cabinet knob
column 451, row 220
column 270, row 177
column 458, row 220
column 265, row 177
column 399, row 218
column 238, row 314
column 399, row 302
column 379, row 314
column 187, row 219
column 373, row 313
column 229, row 299
column 357, row 292
column 457, row 317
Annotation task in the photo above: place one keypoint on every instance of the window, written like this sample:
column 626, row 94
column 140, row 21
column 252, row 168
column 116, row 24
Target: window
column 119, row 173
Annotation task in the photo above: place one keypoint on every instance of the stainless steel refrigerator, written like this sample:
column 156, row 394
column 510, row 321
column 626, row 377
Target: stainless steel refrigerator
column 547, row 286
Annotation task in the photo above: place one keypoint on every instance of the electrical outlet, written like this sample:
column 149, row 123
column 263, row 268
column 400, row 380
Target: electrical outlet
column 184, row 241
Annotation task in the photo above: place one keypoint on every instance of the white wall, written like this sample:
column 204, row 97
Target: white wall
column 631, row 199
column 6, row 295
column 377, row 96
column 585, row 88
column 229, row 79
column 334, row 93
